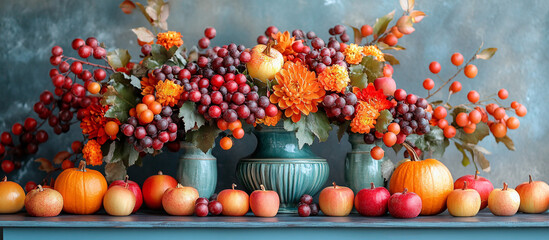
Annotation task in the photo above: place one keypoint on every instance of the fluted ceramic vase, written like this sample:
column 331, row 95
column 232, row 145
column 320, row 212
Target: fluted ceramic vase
column 280, row 165
column 197, row 169
column 360, row 168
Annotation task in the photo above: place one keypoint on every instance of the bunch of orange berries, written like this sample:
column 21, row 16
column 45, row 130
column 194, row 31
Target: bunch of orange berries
column 146, row 110
column 237, row 132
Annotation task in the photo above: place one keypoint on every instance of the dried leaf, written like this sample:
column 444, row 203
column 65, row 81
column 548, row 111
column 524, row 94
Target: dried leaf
column 61, row 156
column 142, row 9
column 391, row 59
column 381, row 23
column 405, row 25
column 486, row 53
column 478, row 148
column 404, row 5
column 115, row 171
column 357, row 35
column 127, row 6
column 482, row 161
column 143, row 34
column 45, row 165
column 507, row 141
column 384, row 46
column 417, row 16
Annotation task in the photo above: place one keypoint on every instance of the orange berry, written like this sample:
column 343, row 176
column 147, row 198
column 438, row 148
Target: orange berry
column 470, row 71
column 470, row 128
column 94, row 87
column 428, row 84
column 462, row 119
column 449, row 131
column 521, row 111
column 238, row 133
column 434, row 67
column 499, row 113
column 394, row 31
column 234, row 125
column 155, row 107
column 146, row 116
column 377, row 153
column 499, row 130
column 513, row 123
column 222, row 124
column 429, row 108
column 111, row 128
column 473, row 96
column 440, row 112
column 490, row 108
column 503, row 94
column 455, row 87
column 475, row 116
column 442, row 123
column 148, row 99
column 515, row 105
column 394, row 128
column 366, row 30
column 390, row 39
column 133, row 113
column 226, row 143
column 66, row 164
column 140, row 108
column 457, row 59
column 389, row 138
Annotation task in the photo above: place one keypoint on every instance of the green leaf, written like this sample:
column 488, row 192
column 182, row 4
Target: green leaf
column 465, row 160
column 301, row 132
column 436, row 141
column 191, row 118
column 342, row 129
column 118, row 58
column 115, row 171
column 368, row 70
column 384, row 46
column 480, row 133
column 136, row 82
column 159, row 54
column 391, row 59
column 486, row 53
column 397, row 148
column 120, row 96
column 357, row 35
column 121, row 151
column 381, row 23
column 507, row 141
column 176, row 58
column 436, row 103
column 204, row 137
column 315, row 124
column 385, row 118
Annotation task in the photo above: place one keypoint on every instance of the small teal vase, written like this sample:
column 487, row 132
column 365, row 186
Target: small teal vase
column 197, row 169
column 360, row 168
column 280, row 165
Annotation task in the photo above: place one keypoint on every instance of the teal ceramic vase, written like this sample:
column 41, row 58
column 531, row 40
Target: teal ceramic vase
column 280, row 165
column 360, row 168
column 197, row 169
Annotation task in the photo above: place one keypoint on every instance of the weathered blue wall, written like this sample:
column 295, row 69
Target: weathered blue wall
column 28, row 30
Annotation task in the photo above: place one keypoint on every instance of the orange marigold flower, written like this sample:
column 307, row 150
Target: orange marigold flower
column 298, row 91
column 169, row 39
column 92, row 153
column 93, row 124
column 270, row 121
column 147, row 84
column 168, row 93
column 334, row 78
column 373, row 50
column 353, row 54
column 374, row 97
column 284, row 43
column 365, row 118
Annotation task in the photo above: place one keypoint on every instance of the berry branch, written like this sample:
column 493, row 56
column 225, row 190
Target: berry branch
column 89, row 63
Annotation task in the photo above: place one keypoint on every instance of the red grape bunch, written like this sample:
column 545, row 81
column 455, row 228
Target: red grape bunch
column 339, row 106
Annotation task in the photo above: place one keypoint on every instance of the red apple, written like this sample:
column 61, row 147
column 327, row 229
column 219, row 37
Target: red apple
column 180, row 201
column 387, row 84
column 234, row 202
column 405, row 204
column 463, row 202
column 482, row 185
column 504, row 202
column 388, row 70
column 43, row 202
column 372, row 201
column 119, row 201
column 534, row 196
column 132, row 186
column 264, row 203
column 265, row 62
column 154, row 187
column 336, row 200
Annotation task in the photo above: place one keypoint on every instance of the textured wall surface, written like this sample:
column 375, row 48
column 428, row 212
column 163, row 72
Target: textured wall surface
column 28, row 30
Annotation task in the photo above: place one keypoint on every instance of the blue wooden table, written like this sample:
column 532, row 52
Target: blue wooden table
column 156, row 225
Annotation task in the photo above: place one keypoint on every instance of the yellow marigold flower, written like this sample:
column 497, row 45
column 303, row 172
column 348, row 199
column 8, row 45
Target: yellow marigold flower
column 373, row 50
column 169, row 39
column 365, row 118
column 92, row 153
column 168, row 93
column 298, row 91
column 284, row 43
column 270, row 121
column 334, row 78
column 353, row 54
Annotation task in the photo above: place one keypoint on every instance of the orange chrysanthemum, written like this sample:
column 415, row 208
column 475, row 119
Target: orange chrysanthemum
column 169, row 39
column 284, row 43
column 168, row 93
column 147, row 84
column 298, row 91
column 92, row 153
column 334, row 78
column 353, row 54
column 270, row 121
column 93, row 124
column 374, row 97
column 373, row 50
column 365, row 118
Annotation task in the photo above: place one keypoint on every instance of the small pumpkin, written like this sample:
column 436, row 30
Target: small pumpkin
column 428, row 178
column 12, row 197
column 82, row 189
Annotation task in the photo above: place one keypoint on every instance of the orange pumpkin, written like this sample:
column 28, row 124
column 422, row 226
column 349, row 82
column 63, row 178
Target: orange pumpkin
column 82, row 189
column 428, row 178
column 12, row 196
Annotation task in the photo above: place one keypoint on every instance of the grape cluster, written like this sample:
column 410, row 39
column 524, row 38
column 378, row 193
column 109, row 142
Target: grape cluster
column 411, row 113
column 154, row 134
column 307, row 207
column 204, row 206
column 339, row 106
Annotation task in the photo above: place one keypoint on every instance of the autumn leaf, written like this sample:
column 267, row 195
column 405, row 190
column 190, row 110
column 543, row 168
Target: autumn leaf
column 143, row 34
column 127, row 6
column 45, row 165
column 381, row 23
column 60, row 157
column 486, row 53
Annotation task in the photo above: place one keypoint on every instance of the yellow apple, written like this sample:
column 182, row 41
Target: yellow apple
column 463, row 202
column 504, row 202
